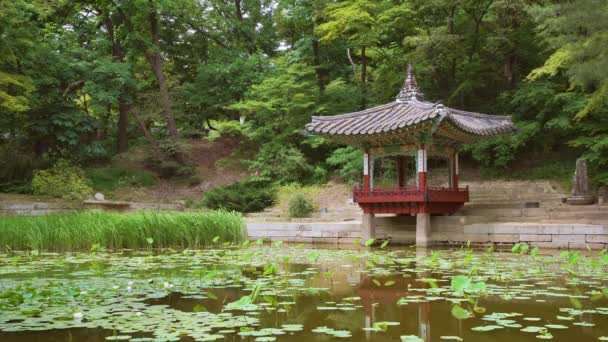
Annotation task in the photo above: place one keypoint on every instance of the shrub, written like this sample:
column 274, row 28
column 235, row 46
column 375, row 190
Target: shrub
column 300, row 206
column 62, row 180
column 285, row 194
column 246, row 196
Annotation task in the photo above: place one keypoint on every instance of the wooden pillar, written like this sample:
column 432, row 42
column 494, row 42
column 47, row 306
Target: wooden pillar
column 366, row 182
column 455, row 171
column 421, row 167
column 400, row 172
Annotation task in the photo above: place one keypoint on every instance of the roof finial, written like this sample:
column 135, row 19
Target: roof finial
column 410, row 89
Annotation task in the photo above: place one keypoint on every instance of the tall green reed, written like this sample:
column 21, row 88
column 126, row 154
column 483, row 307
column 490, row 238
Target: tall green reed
column 79, row 231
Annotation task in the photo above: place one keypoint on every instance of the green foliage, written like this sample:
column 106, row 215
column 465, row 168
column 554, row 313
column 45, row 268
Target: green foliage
column 79, row 231
column 282, row 163
column 16, row 168
column 300, row 205
column 282, row 103
column 348, row 163
column 249, row 195
column 109, row 178
column 64, row 179
column 286, row 193
column 230, row 128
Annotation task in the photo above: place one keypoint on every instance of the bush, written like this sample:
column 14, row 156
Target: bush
column 286, row 193
column 62, row 180
column 110, row 178
column 300, row 206
column 246, row 196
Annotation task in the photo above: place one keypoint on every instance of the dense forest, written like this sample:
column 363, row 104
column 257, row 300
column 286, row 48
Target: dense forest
column 83, row 81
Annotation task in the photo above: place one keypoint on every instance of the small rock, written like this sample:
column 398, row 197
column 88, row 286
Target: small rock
column 100, row 197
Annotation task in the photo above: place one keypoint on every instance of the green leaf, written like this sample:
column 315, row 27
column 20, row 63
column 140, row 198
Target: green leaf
column 150, row 241
column 534, row 252
column 459, row 313
column 460, row 282
column 515, row 248
column 389, row 283
column 216, row 239
column 369, row 242
column 384, row 244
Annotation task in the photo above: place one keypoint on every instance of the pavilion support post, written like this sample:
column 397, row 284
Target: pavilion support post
column 455, row 171
column 400, row 172
column 423, row 229
column 421, row 167
column 368, row 228
column 366, row 180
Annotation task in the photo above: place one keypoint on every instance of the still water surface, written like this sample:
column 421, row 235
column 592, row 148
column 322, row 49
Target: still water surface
column 289, row 293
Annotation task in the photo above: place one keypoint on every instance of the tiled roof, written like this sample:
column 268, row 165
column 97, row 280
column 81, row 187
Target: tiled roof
column 408, row 110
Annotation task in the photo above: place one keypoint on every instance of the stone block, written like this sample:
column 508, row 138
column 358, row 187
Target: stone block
column 299, row 240
column 504, row 228
column 332, row 234
column 18, row 206
column 535, row 237
column 594, row 246
column 582, row 229
column 568, row 238
column 596, row 238
column 535, row 212
column 311, row 234
column 549, row 229
column 504, row 237
column 476, row 237
column 347, row 234
column 478, row 228
column 543, row 245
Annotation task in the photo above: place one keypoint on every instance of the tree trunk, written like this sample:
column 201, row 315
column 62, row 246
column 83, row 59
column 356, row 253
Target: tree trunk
column 149, row 137
column 363, row 78
column 156, row 62
column 122, row 142
column 123, row 122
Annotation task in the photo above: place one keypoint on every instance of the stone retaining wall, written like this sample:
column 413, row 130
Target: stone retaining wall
column 35, row 208
column 446, row 230
column 43, row 208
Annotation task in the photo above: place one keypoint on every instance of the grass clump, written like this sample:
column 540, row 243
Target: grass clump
column 138, row 230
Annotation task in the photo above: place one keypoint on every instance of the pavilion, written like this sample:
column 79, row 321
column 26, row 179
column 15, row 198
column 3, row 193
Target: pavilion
column 409, row 126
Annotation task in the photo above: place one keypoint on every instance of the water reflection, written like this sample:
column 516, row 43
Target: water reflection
column 355, row 293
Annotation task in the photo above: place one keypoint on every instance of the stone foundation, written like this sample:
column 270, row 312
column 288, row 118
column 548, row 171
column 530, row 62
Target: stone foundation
column 43, row 208
column 445, row 230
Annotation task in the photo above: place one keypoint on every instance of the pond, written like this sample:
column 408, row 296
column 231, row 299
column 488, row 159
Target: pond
column 294, row 293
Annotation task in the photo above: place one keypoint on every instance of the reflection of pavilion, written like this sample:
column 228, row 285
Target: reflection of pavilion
column 372, row 294
column 409, row 127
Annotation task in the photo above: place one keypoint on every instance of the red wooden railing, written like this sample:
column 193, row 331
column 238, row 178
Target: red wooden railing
column 411, row 199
